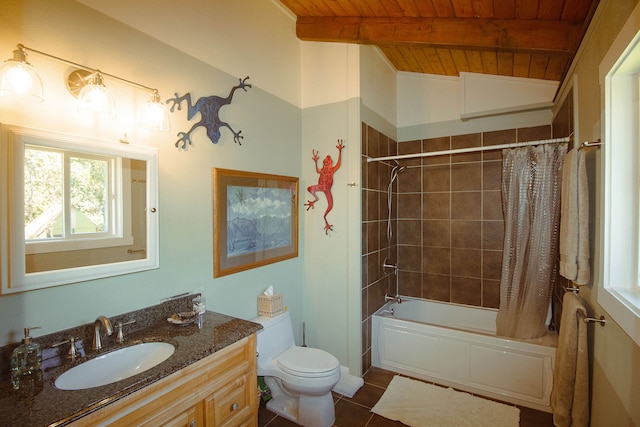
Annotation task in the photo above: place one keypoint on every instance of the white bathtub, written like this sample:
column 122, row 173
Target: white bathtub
column 456, row 346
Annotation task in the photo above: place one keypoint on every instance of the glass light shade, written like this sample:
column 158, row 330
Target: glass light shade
column 154, row 115
column 96, row 99
column 19, row 80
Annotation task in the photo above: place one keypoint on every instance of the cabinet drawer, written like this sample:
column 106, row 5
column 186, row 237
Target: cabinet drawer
column 231, row 403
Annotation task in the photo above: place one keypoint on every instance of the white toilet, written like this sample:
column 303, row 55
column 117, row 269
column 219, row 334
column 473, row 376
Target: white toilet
column 300, row 378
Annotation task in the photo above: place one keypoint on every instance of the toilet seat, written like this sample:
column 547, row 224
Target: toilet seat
column 308, row 362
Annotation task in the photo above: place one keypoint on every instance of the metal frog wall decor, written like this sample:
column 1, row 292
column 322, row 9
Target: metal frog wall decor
column 209, row 109
column 325, row 182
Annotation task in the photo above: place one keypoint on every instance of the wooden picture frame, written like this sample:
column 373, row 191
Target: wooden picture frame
column 255, row 220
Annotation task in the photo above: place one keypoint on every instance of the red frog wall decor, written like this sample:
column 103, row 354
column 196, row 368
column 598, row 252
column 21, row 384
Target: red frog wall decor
column 325, row 182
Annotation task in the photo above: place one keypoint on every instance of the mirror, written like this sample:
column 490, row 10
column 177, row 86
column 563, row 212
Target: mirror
column 74, row 209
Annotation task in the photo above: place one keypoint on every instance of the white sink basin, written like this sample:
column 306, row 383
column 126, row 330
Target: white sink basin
column 115, row 366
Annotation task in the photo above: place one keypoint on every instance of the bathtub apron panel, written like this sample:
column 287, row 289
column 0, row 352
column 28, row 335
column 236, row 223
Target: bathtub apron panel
column 514, row 371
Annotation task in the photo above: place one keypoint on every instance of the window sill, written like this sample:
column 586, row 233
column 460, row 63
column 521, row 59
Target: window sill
column 623, row 305
column 42, row 247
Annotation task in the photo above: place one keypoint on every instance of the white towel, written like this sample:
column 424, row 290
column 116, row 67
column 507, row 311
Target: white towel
column 574, row 219
column 348, row 384
column 570, row 394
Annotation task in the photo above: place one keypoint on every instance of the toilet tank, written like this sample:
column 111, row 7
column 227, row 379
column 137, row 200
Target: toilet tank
column 275, row 337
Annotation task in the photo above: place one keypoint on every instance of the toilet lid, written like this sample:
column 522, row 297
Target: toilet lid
column 307, row 362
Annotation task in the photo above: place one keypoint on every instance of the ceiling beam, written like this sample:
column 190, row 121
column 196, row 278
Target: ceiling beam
column 532, row 36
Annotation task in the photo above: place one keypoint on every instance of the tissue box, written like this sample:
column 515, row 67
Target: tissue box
column 270, row 305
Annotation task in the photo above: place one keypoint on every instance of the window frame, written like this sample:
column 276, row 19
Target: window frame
column 618, row 287
column 13, row 275
column 119, row 233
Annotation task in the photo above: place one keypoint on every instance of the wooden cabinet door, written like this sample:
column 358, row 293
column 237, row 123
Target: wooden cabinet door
column 232, row 404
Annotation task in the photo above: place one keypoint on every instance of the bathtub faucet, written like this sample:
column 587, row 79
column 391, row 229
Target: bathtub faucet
column 397, row 298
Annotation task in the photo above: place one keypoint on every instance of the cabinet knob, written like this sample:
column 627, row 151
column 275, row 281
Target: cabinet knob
column 193, row 423
column 234, row 407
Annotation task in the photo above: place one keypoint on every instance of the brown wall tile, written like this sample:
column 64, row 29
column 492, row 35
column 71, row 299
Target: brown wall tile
column 534, row 133
column 492, row 175
column 373, row 143
column 373, row 239
column 371, row 198
column 384, row 241
column 466, row 141
column 409, row 258
column 436, row 232
column 375, row 296
column 410, row 147
column 373, row 175
column 373, row 267
column 436, row 205
column 366, row 333
column 383, row 207
column 410, row 283
column 491, row 264
column 492, row 235
column 466, row 291
column 436, row 287
column 466, row 262
column 490, row 293
column 436, row 144
column 363, row 304
column 436, row 260
column 410, row 232
column 466, row 234
column 409, row 206
column 466, row 176
column 436, row 178
column 410, row 181
column 499, row 137
column 466, row 205
column 492, row 205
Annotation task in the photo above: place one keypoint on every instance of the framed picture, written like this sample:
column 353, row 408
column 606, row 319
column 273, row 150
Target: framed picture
column 255, row 220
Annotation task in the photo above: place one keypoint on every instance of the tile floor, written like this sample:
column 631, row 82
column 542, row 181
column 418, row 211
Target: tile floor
column 355, row 412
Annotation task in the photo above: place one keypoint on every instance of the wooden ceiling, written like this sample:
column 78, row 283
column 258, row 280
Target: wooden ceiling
column 521, row 38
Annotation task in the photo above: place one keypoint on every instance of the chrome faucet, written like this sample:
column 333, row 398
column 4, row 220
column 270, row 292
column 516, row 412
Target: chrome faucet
column 97, row 338
column 397, row 298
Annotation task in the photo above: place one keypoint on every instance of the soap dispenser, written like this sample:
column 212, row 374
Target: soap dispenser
column 27, row 357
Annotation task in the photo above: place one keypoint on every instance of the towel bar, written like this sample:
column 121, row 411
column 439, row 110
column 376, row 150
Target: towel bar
column 588, row 144
column 586, row 319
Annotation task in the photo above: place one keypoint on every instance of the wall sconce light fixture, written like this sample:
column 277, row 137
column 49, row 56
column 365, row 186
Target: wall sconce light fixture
column 18, row 79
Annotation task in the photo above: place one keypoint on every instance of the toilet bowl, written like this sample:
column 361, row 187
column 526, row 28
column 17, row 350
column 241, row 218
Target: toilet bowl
column 300, row 378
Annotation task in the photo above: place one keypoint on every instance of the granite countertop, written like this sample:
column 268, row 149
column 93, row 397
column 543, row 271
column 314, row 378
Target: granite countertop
column 39, row 403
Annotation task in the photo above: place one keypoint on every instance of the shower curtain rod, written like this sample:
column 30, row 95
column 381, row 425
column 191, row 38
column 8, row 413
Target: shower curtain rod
column 474, row 149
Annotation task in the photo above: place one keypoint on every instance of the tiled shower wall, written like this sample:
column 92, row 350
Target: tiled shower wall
column 376, row 245
column 448, row 226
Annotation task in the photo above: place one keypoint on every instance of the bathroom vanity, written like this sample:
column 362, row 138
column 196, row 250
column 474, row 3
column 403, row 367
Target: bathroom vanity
column 209, row 380
column 219, row 390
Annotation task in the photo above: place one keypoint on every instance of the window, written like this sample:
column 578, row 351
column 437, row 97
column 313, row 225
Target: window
column 619, row 284
column 71, row 199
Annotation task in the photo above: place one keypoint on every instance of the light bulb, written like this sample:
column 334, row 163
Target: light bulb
column 95, row 98
column 154, row 115
column 19, row 80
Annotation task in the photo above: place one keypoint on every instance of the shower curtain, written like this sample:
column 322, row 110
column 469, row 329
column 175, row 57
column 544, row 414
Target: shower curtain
column 531, row 184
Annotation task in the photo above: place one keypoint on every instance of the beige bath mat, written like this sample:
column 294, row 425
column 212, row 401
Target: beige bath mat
column 418, row 404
